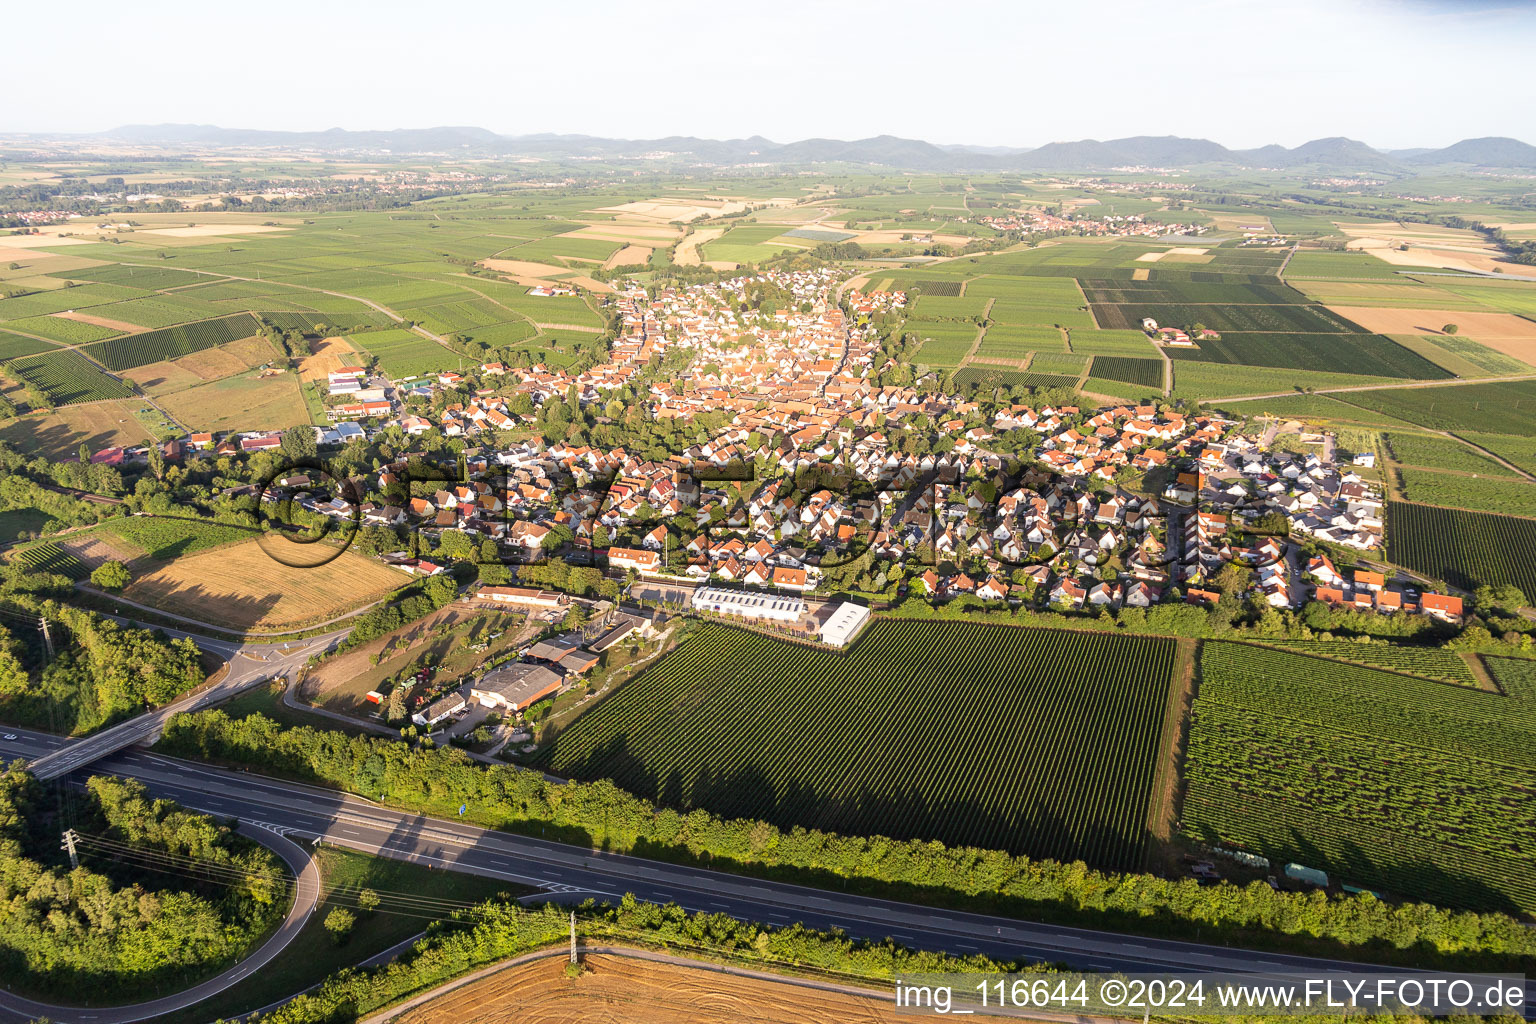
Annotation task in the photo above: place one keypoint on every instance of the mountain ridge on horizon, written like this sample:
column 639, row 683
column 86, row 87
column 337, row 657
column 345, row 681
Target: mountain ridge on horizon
column 884, row 150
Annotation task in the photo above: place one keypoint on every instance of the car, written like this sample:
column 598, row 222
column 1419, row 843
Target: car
column 9, row 736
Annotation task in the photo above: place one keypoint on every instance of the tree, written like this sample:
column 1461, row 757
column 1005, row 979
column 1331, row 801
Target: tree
column 112, row 576
column 299, row 443
column 367, row 900
column 1450, row 329
column 339, row 923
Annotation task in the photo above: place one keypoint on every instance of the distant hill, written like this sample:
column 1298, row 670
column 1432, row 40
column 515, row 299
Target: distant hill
column 1494, row 151
column 1336, row 153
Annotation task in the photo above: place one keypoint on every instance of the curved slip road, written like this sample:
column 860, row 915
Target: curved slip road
column 576, row 872
column 306, row 898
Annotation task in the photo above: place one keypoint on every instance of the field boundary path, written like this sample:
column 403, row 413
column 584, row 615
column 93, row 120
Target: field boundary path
column 708, row 966
column 306, row 897
column 1509, row 378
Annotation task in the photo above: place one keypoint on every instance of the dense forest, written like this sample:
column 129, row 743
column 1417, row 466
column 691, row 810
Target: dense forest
column 161, row 898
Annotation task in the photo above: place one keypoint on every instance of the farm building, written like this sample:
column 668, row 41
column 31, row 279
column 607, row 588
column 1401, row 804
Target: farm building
column 514, row 686
column 524, row 597
column 844, row 624
column 451, row 704
column 748, row 605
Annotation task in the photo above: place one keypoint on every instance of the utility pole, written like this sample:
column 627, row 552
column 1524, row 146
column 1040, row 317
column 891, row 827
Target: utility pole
column 47, row 638
column 573, row 936
column 74, row 858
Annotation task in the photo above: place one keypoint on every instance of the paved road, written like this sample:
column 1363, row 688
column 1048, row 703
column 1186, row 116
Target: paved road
column 569, row 870
column 306, row 898
column 248, row 664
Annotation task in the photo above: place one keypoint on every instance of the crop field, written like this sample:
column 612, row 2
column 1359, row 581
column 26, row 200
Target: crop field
column 1521, row 451
column 744, row 725
column 1035, row 291
column 63, row 330
column 1515, row 676
column 49, row 557
column 1279, row 318
column 1428, row 452
column 1183, row 292
column 943, row 307
column 1067, row 363
column 404, row 353
column 307, row 322
column 157, row 311
column 1336, row 353
column 1340, row 265
column 155, row 346
column 1004, row 341
column 1503, row 408
column 83, row 297
column 162, row 538
column 1503, row 493
column 1146, row 373
column 1385, row 781
column 1428, row 662
column 14, row 345
column 937, row 288
column 1195, row 379
column 1009, row 311
column 1466, row 549
column 67, row 378
column 987, row 377
column 242, row 587
column 1113, row 343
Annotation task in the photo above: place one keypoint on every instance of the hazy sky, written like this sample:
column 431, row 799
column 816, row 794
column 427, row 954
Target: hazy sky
column 1394, row 73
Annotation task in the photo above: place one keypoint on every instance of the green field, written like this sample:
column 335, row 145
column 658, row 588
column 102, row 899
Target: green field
column 404, row 353
column 1466, row 549
column 1385, row 781
column 1505, row 408
column 1033, row 741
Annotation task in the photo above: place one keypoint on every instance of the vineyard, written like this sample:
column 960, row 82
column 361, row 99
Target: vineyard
column 1147, row 373
column 155, row 346
column 1428, row 662
column 1032, row 741
column 67, row 378
column 1463, row 548
column 1382, row 780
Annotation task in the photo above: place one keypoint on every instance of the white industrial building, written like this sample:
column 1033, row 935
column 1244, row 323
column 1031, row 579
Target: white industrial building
column 845, row 623
column 748, row 605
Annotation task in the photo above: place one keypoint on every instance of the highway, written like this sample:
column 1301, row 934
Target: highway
column 248, row 664
column 307, row 812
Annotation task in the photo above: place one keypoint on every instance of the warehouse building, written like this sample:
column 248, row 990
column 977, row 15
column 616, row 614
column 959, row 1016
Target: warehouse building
column 845, row 623
column 748, row 605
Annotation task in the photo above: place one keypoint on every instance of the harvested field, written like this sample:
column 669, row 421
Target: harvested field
column 628, row 256
column 59, row 434
column 680, row 210
column 326, row 355
column 688, row 248
column 1505, row 333
column 243, row 587
column 246, row 402
column 1484, row 327
column 625, row 990
column 202, row 367
column 100, row 321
